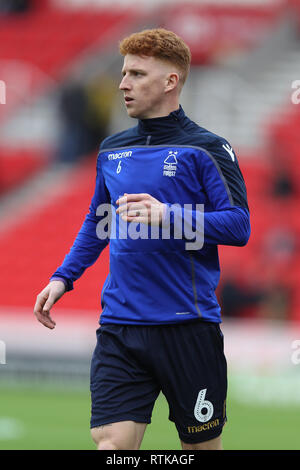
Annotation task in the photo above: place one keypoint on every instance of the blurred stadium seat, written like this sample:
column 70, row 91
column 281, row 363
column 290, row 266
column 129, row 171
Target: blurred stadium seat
column 215, row 30
column 38, row 38
column 16, row 166
column 245, row 56
column 35, row 237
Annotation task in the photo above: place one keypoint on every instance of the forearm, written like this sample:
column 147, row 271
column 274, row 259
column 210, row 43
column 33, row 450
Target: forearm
column 228, row 227
column 224, row 227
column 84, row 252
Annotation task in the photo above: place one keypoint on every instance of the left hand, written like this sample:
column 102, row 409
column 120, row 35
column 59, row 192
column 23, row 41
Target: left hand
column 141, row 208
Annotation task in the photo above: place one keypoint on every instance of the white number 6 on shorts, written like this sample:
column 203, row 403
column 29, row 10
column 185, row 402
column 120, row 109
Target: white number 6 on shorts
column 201, row 404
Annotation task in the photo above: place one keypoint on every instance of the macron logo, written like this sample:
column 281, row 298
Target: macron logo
column 230, row 151
column 115, row 156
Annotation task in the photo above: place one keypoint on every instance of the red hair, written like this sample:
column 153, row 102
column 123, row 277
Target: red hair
column 162, row 44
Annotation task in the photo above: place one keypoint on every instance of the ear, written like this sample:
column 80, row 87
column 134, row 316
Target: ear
column 172, row 81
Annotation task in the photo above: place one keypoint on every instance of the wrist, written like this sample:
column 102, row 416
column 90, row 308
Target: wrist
column 61, row 279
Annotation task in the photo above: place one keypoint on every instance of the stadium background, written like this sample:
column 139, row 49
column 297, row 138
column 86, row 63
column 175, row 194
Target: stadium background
column 59, row 75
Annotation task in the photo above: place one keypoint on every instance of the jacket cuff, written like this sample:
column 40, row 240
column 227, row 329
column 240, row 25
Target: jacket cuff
column 68, row 284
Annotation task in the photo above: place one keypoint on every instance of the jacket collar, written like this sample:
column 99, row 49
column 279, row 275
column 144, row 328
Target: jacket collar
column 162, row 124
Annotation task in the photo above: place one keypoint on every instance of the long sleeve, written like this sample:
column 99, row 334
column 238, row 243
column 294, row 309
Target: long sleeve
column 225, row 218
column 87, row 245
column 225, row 227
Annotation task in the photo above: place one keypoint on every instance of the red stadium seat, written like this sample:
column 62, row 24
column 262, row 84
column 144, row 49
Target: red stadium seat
column 33, row 249
column 48, row 39
column 16, row 166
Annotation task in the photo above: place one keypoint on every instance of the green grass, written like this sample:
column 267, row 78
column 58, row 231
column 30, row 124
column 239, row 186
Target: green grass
column 41, row 418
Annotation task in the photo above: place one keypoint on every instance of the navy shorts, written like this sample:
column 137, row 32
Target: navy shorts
column 132, row 364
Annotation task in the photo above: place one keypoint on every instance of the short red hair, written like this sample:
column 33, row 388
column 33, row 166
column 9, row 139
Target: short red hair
column 162, row 44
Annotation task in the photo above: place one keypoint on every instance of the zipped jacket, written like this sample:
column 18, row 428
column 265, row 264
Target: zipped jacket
column 166, row 274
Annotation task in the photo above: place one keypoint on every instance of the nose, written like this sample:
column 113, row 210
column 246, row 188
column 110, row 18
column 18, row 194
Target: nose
column 124, row 85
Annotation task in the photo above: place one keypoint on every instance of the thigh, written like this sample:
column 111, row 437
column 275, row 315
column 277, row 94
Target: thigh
column 193, row 373
column 122, row 389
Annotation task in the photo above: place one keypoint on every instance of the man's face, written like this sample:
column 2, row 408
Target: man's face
column 144, row 84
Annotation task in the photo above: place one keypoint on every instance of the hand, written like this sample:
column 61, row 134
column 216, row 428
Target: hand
column 142, row 208
column 45, row 300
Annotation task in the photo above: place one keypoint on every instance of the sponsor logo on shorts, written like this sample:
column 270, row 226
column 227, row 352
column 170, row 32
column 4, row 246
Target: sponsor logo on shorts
column 204, row 427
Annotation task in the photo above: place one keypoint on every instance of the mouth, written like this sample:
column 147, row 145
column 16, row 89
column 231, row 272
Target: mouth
column 128, row 100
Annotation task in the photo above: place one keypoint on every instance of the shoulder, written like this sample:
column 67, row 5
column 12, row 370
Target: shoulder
column 120, row 139
column 217, row 155
column 213, row 145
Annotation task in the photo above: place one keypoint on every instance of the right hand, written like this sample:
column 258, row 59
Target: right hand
column 45, row 301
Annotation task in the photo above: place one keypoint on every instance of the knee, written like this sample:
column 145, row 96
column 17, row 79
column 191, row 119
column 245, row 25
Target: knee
column 103, row 442
column 124, row 435
column 107, row 445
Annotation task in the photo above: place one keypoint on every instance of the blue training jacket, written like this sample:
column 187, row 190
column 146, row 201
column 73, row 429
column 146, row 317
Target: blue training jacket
column 159, row 280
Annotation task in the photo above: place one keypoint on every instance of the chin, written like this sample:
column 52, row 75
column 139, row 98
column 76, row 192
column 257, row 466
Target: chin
column 133, row 113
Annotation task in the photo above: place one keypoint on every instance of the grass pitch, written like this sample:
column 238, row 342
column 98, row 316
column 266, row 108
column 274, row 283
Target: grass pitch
column 40, row 418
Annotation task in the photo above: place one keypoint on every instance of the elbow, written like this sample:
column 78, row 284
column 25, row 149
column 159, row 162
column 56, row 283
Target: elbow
column 244, row 240
column 245, row 235
column 243, row 229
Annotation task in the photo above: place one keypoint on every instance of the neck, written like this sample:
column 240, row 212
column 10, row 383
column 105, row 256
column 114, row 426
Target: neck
column 169, row 123
column 163, row 110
